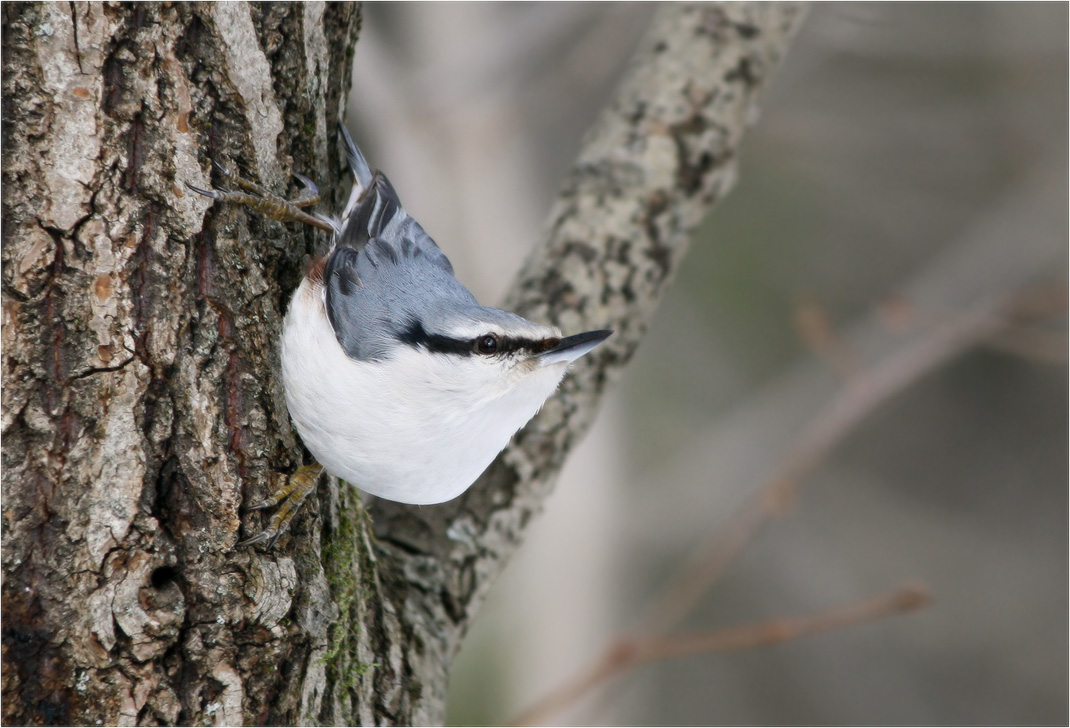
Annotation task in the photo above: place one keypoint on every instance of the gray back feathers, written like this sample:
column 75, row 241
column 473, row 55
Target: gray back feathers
column 384, row 273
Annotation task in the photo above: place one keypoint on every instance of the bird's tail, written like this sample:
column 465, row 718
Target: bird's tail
column 358, row 166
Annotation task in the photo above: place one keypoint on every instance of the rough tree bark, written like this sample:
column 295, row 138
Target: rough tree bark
column 141, row 402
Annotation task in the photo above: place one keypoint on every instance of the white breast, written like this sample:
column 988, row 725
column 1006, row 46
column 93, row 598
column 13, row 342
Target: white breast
column 417, row 428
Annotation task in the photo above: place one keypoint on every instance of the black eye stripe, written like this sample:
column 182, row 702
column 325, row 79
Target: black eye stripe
column 510, row 344
column 415, row 335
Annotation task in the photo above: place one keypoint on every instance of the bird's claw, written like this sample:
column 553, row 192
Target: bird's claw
column 289, row 499
column 310, row 193
column 218, row 166
column 268, row 536
column 307, row 183
column 253, row 195
column 214, row 194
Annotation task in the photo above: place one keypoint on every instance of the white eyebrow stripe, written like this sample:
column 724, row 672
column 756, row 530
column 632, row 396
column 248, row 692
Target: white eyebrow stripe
column 476, row 329
column 473, row 331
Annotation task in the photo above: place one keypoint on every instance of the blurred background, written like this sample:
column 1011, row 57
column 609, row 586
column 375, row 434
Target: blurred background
column 905, row 153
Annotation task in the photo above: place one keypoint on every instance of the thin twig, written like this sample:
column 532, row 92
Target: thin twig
column 1034, row 344
column 1024, row 338
column 904, row 599
column 626, row 655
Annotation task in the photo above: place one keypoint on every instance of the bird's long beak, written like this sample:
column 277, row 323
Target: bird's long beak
column 572, row 348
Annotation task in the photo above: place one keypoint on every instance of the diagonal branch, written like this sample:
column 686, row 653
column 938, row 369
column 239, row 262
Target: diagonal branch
column 657, row 159
column 659, row 156
column 626, row 655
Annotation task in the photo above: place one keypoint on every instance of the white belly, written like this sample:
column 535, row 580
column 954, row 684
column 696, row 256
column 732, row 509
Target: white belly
column 407, row 430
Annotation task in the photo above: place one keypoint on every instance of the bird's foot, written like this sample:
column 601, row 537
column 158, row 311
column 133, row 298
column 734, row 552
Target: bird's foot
column 291, row 495
column 253, row 195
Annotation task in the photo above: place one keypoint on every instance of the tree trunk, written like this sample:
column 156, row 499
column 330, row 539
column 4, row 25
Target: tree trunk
column 141, row 402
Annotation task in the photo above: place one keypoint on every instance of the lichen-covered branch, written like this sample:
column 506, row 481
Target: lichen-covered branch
column 658, row 158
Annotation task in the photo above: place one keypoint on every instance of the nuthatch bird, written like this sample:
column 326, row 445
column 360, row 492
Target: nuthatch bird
column 397, row 380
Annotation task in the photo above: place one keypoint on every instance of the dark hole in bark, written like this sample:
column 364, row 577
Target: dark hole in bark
column 162, row 576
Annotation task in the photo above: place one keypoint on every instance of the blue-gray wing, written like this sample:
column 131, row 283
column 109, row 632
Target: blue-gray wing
column 384, row 273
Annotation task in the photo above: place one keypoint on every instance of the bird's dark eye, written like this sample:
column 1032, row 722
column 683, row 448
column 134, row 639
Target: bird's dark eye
column 487, row 344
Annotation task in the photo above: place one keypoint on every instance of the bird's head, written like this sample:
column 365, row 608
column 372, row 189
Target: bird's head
column 485, row 357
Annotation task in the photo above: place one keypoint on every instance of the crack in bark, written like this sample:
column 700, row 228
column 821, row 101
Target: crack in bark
column 93, row 371
column 74, row 30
